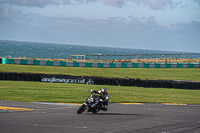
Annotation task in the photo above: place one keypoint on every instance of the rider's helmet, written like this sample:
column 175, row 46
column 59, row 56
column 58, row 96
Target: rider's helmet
column 103, row 90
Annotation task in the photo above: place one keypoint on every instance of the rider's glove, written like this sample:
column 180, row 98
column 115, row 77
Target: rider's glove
column 101, row 100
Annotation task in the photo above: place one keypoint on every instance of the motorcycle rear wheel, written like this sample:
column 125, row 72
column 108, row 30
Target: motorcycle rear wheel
column 94, row 111
column 81, row 109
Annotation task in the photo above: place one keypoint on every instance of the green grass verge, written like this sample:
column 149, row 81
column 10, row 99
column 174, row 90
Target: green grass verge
column 77, row 93
column 192, row 74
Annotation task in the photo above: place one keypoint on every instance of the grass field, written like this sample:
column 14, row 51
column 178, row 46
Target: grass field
column 192, row 74
column 77, row 93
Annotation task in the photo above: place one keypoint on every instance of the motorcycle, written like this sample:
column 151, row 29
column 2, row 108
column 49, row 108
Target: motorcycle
column 89, row 102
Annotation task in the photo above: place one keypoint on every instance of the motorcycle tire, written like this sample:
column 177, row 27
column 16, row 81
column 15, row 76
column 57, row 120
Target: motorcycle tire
column 94, row 111
column 81, row 109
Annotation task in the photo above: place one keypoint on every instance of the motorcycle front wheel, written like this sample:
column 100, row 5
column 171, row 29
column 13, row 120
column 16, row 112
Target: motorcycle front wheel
column 81, row 109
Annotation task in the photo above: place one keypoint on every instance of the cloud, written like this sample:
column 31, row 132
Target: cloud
column 160, row 4
column 153, row 4
column 130, row 24
column 36, row 3
column 10, row 13
column 189, row 28
column 151, row 18
column 145, row 32
column 118, row 3
column 197, row 1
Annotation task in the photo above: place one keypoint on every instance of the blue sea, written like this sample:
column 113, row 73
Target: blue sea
column 63, row 51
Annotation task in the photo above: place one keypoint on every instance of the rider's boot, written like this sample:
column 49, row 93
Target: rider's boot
column 104, row 108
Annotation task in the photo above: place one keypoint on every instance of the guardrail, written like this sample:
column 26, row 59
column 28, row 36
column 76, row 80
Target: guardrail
column 98, row 64
column 134, row 56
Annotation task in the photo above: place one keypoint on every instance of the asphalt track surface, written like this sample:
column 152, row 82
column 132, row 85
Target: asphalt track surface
column 120, row 118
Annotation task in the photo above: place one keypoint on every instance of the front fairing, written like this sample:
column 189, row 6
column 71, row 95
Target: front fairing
column 89, row 101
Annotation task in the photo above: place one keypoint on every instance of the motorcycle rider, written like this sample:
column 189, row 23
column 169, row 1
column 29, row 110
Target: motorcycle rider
column 104, row 97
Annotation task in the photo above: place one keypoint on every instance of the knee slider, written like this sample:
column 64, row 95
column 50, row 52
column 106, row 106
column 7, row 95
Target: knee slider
column 105, row 109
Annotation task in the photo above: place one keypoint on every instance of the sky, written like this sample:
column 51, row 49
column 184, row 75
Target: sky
column 137, row 24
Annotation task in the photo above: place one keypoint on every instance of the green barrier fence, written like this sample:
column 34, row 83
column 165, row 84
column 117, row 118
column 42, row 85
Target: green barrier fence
column 146, row 65
column 157, row 65
column 179, row 65
column 62, row 63
column 135, row 65
column 23, row 61
column 75, row 64
column 99, row 65
column 36, row 62
column 49, row 63
column 112, row 65
column 88, row 64
column 190, row 65
column 168, row 65
column 4, row 60
column 124, row 65
column 10, row 61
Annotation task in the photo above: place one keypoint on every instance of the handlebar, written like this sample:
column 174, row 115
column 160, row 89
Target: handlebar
column 91, row 91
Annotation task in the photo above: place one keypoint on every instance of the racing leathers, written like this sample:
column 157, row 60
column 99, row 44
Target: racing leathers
column 103, row 99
